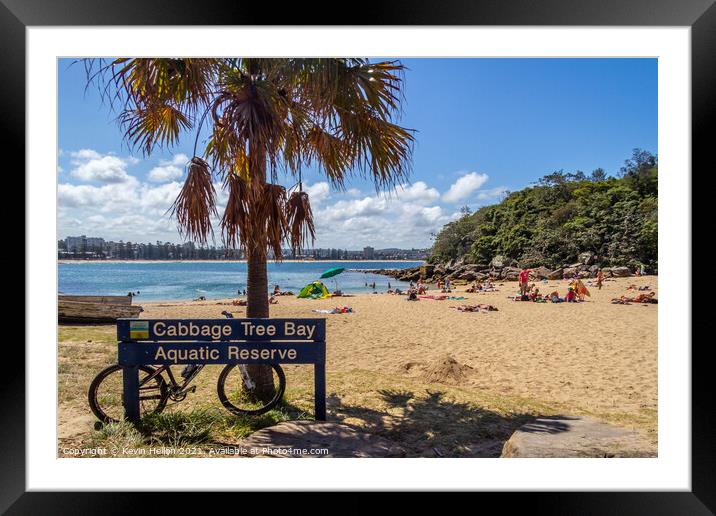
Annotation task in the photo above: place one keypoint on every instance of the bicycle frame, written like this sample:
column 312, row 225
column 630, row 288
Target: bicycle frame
column 178, row 388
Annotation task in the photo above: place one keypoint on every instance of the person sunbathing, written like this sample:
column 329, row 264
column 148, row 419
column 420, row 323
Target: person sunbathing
column 646, row 298
column 641, row 298
column 534, row 293
column 476, row 287
column 481, row 307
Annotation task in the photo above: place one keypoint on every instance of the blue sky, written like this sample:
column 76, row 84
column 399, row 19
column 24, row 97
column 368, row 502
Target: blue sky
column 484, row 126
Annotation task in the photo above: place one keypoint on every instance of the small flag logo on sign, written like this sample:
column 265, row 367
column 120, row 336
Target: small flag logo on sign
column 139, row 329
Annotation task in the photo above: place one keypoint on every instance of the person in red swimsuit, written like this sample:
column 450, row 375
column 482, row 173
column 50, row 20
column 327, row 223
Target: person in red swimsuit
column 524, row 279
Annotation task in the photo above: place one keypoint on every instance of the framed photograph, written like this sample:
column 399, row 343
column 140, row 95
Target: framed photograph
column 449, row 250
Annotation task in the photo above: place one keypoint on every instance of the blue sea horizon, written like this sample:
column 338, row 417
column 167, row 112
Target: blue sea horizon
column 179, row 281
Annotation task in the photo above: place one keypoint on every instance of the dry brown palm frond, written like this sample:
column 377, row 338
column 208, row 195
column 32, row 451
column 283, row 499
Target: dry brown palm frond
column 235, row 223
column 196, row 202
column 271, row 216
column 300, row 221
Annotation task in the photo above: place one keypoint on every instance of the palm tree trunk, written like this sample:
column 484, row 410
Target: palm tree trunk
column 257, row 296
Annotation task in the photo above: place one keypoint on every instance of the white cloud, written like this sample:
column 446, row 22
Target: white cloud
column 464, row 186
column 346, row 209
column 168, row 170
column 317, row 193
column 109, row 197
column 136, row 209
column 89, row 165
column 417, row 192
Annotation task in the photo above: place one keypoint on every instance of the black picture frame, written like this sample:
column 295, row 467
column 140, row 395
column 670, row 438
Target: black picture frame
column 700, row 15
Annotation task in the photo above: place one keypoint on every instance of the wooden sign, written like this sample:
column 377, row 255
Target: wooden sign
column 220, row 341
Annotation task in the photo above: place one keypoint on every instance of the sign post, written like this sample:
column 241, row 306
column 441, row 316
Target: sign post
column 220, row 341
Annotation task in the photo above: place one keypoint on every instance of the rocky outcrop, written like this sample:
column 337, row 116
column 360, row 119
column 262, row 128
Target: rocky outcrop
column 500, row 268
column 541, row 273
column 556, row 274
column 617, row 272
column 510, row 273
column 575, row 437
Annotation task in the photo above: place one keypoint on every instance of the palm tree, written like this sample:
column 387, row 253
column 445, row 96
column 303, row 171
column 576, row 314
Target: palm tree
column 265, row 116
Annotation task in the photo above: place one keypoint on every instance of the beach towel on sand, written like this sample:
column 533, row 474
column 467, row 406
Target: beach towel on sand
column 336, row 310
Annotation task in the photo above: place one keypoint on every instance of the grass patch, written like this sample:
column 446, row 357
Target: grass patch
column 427, row 419
column 179, row 429
column 118, row 436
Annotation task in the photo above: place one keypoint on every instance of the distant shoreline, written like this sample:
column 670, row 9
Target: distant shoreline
column 60, row 262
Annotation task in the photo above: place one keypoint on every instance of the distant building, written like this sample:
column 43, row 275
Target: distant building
column 368, row 253
column 81, row 244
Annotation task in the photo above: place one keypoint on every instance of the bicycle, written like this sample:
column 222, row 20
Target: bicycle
column 106, row 390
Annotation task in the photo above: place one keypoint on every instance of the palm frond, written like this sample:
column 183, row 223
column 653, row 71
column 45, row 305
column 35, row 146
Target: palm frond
column 196, row 202
column 159, row 124
column 300, row 221
column 271, row 216
column 235, row 223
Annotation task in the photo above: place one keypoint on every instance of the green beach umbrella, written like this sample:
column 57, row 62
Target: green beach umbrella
column 333, row 271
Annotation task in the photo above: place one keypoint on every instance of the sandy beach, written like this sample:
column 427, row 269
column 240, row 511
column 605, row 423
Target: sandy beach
column 593, row 358
column 592, row 355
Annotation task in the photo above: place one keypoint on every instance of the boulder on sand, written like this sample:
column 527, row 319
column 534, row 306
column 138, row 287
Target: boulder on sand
column 510, row 274
column 620, row 272
column 576, row 437
column 556, row 274
column 540, row 273
column 568, row 272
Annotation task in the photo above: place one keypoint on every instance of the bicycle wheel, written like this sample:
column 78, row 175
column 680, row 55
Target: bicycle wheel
column 107, row 389
column 241, row 400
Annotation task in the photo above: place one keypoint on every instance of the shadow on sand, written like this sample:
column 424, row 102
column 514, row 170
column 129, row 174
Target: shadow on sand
column 430, row 425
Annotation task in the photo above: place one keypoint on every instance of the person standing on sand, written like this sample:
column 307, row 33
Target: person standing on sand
column 600, row 278
column 524, row 279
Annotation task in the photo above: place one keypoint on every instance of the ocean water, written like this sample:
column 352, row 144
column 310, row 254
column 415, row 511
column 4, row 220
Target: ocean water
column 213, row 280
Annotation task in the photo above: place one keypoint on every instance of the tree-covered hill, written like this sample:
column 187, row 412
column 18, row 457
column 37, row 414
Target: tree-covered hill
column 562, row 216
